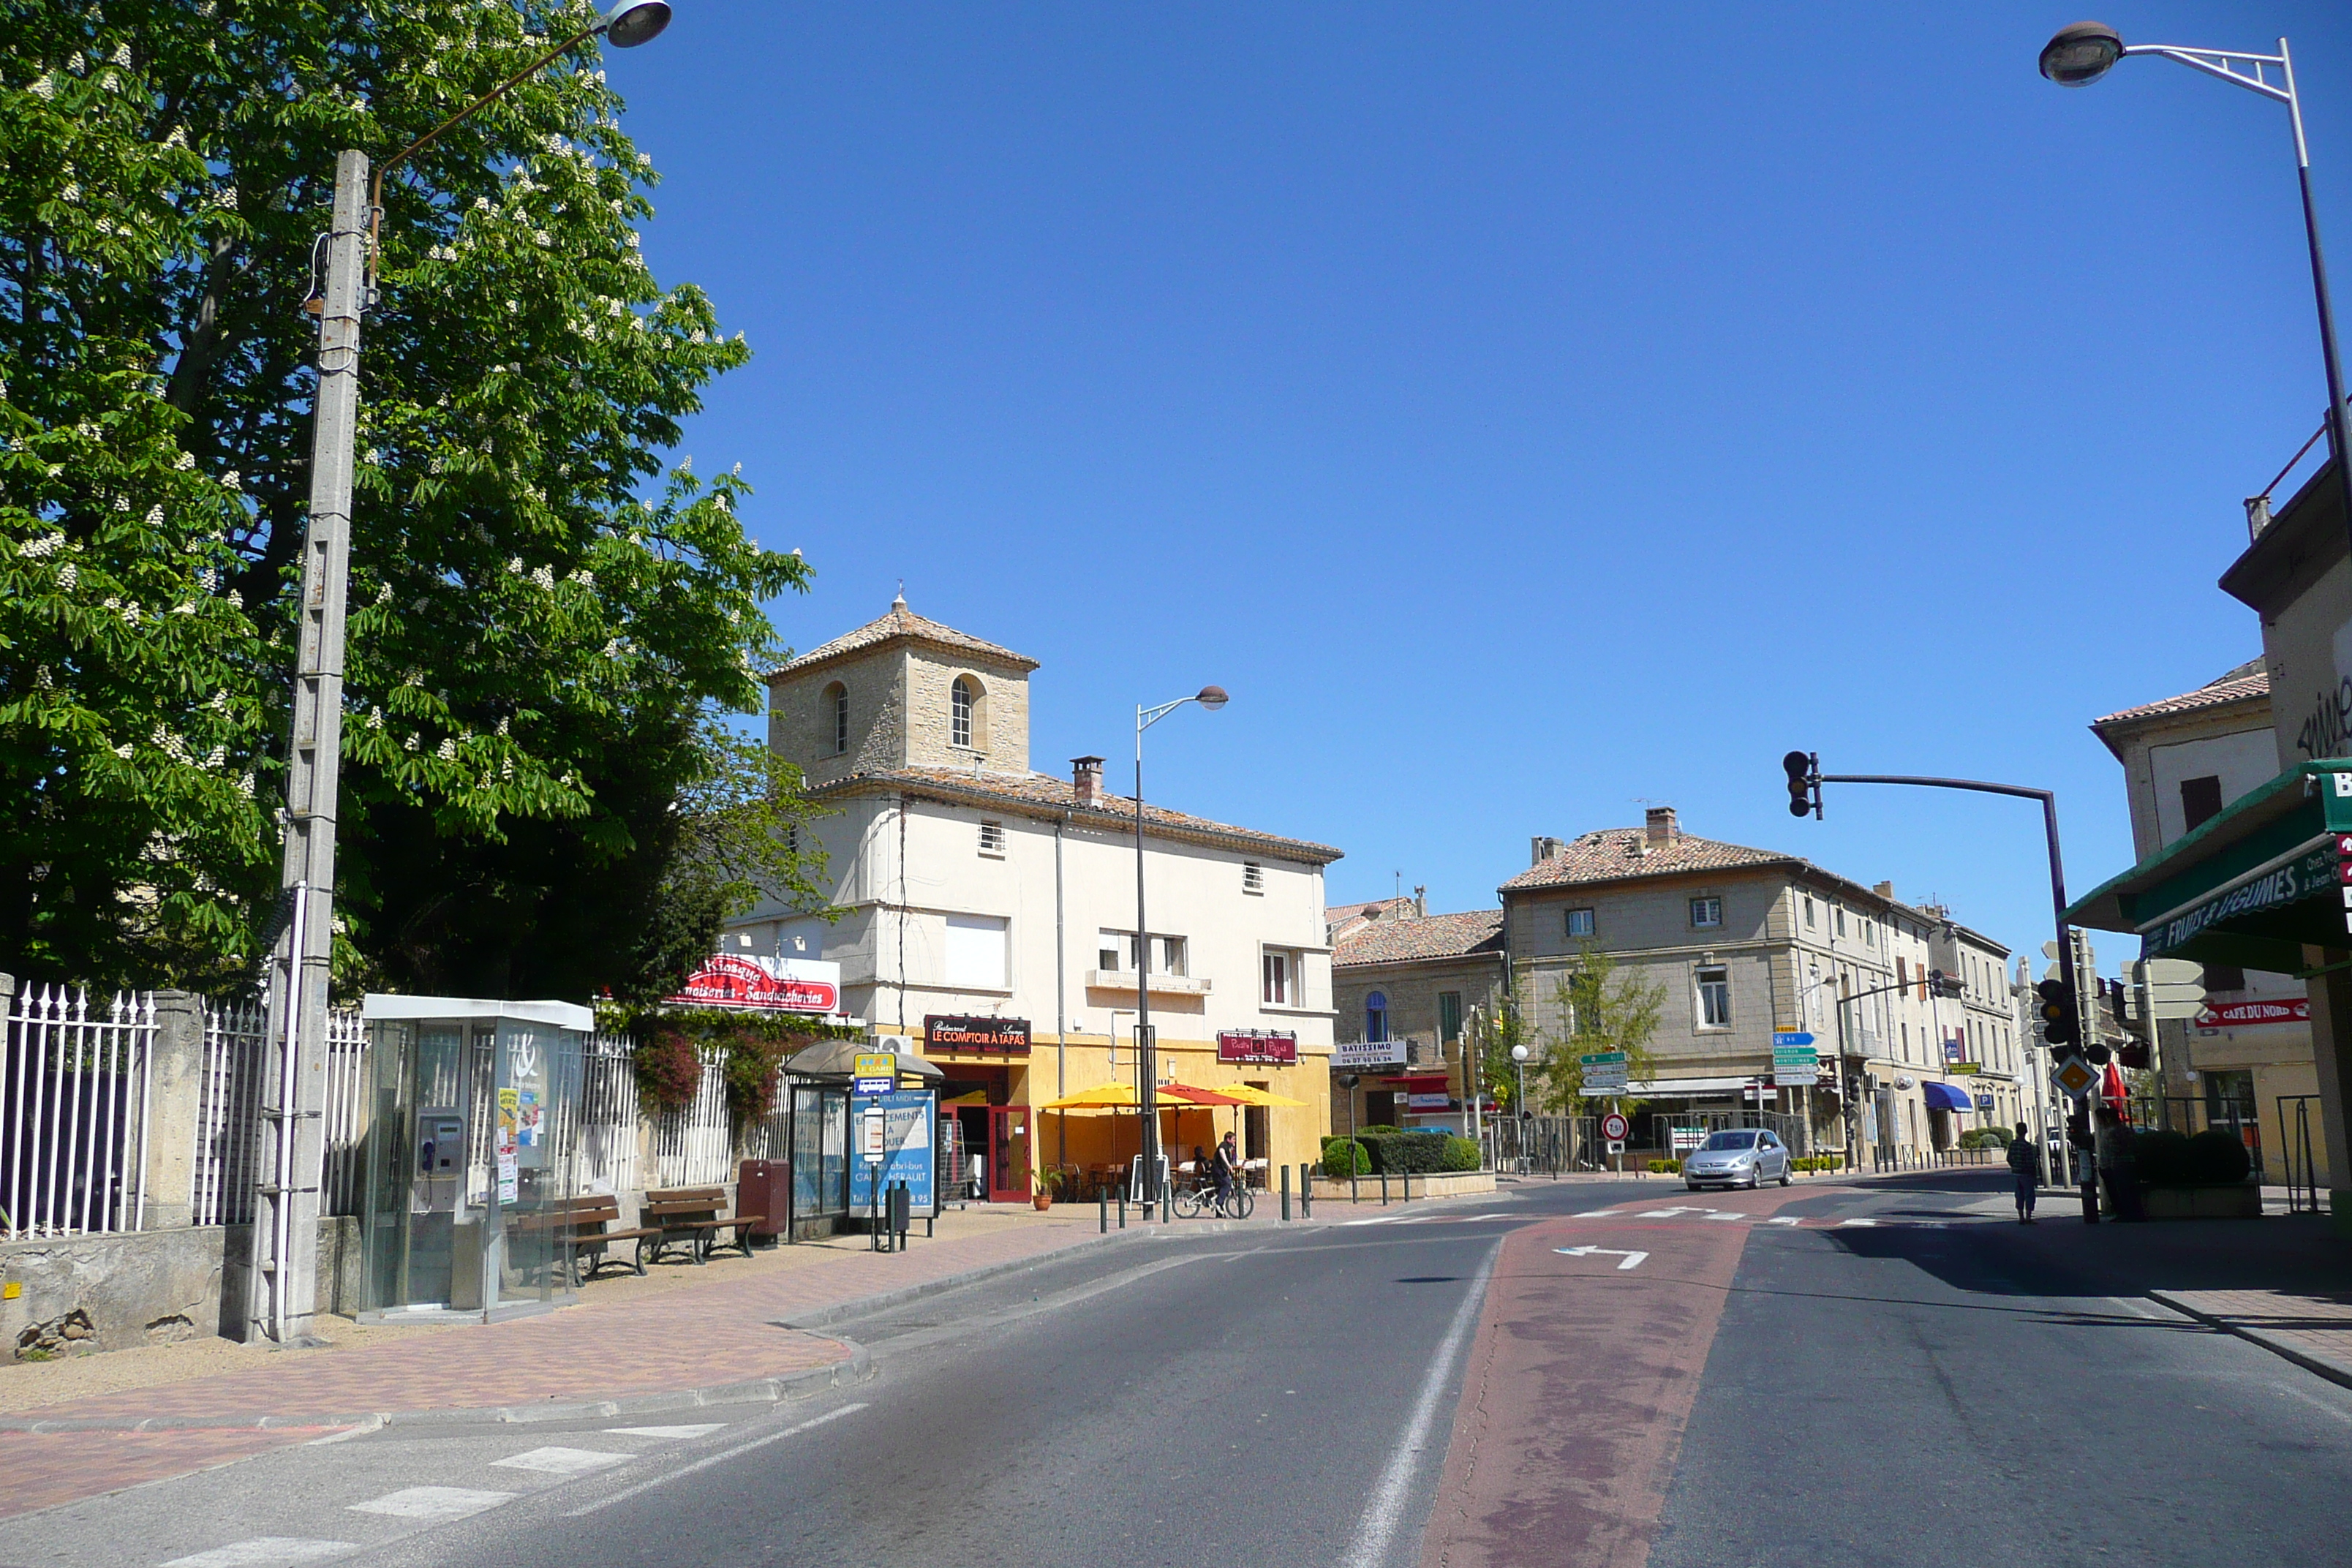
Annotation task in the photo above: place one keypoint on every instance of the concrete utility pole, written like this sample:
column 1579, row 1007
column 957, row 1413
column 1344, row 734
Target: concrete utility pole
column 282, row 1255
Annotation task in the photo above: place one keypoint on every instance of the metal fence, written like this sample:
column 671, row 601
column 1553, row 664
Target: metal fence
column 1547, row 1144
column 694, row 1146
column 1677, row 1133
column 607, row 1140
column 228, row 1107
column 2297, row 1144
column 74, row 1101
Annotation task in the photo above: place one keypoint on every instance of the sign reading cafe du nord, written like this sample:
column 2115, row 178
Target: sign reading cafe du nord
column 1250, row 1046
column 764, row 984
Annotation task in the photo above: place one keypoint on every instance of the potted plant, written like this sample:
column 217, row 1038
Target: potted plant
column 1044, row 1198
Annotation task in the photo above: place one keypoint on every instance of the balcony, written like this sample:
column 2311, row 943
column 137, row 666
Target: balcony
column 1161, row 985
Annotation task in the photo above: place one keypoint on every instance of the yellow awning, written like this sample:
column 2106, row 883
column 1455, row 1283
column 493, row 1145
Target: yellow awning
column 1250, row 1095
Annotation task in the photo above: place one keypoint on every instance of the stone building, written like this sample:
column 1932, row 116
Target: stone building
column 983, row 902
column 1416, row 982
column 1746, row 942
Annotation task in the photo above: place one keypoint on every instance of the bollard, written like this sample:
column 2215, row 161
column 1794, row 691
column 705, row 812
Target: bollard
column 1384, row 1189
column 1306, row 1192
column 1285, row 1192
column 1122, row 1208
column 1102, row 1204
column 1407, row 1175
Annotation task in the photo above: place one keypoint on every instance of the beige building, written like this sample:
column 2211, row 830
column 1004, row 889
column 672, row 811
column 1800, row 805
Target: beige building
column 1415, row 983
column 988, row 912
column 1748, row 942
column 2187, row 759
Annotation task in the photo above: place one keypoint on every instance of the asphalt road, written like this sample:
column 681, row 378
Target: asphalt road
column 1789, row 1386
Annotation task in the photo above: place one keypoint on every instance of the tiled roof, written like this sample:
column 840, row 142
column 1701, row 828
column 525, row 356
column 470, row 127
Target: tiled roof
column 903, row 623
column 2243, row 684
column 1043, row 795
column 1617, row 854
column 1409, row 937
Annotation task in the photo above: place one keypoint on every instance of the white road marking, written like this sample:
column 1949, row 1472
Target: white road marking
column 1787, row 1219
column 705, row 1430
column 432, row 1502
column 263, row 1550
column 1376, row 1529
column 1384, row 1219
column 563, row 1461
column 1633, row 1259
column 1847, row 1222
column 1592, row 1214
column 724, row 1454
column 1729, row 1214
column 1666, row 1214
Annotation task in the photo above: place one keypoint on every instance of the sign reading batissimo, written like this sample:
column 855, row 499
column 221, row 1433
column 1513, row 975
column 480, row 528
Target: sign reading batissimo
column 763, row 984
column 1003, row 1036
column 1252, row 1047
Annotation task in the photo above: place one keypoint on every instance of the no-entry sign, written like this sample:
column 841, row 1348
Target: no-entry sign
column 1614, row 1127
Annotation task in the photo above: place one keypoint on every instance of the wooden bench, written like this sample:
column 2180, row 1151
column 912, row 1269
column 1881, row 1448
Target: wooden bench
column 587, row 1224
column 691, row 1215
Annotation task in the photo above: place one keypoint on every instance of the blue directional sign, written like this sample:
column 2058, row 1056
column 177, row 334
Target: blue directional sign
column 1792, row 1037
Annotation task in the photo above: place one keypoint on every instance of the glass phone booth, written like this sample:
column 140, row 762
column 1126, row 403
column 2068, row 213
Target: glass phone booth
column 470, row 1156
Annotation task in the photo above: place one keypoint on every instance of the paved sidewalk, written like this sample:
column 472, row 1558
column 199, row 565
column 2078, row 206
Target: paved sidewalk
column 2313, row 1330
column 650, row 1348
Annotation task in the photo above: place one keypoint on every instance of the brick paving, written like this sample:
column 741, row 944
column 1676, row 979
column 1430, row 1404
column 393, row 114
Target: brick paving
column 697, row 1336
column 2316, row 1329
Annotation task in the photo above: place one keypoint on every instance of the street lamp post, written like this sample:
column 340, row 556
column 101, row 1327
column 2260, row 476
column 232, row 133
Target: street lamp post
column 283, row 1236
column 2080, row 55
column 1519, row 1104
column 1147, row 1047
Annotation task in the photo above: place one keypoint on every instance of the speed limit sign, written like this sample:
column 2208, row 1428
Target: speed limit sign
column 1614, row 1127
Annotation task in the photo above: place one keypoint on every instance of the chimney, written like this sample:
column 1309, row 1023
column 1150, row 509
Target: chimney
column 1421, row 903
column 1085, row 779
column 1658, row 825
column 1541, row 848
column 1885, row 890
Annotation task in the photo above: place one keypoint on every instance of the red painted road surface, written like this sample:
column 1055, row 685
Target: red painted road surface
column 1580, row 1383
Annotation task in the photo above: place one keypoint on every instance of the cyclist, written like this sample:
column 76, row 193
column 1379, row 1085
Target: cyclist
column 1228, row 1166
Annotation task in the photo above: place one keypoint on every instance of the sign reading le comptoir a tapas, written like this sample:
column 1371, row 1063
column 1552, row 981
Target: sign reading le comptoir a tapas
column 765, row 985
column 1006, row 1036
column 1250, row 1046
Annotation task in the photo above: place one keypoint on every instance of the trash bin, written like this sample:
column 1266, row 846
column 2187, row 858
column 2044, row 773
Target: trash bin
column 764, row 1187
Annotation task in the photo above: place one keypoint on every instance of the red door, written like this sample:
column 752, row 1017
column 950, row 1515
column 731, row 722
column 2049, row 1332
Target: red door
column 1008, row 1154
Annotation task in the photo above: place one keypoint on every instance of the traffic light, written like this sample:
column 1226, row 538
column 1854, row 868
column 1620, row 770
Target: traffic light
column 1804, row 769
column 2097, row 1055
column 1942, row 985
column 2118, row 1001
column 2134, row 1056
column 2078, row 1129
column 2061, row 1023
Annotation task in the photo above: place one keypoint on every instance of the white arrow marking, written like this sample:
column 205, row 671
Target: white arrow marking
column 1633, row 1259
column 1844, row 1222
column 1785, row 1219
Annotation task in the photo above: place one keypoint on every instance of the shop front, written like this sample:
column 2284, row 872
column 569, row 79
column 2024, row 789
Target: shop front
column 988, row 1129
column 471, row 1145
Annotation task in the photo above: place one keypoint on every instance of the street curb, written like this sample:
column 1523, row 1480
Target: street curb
column 2333, row 1370
column 856, row 1367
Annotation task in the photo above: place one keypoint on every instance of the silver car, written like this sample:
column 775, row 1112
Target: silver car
column 1736, row 1157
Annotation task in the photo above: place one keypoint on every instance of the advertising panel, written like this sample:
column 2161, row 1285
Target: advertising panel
column 1272, row 1047
column 1367, row 1053
column 763, row 984
column 909, row 1116
column 1000, row 1036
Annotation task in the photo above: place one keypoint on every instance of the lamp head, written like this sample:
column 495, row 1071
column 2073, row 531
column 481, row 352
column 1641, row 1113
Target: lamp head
column 2082, row 54
column 1212, row 698
column 1518, row 1053
column 635, row 22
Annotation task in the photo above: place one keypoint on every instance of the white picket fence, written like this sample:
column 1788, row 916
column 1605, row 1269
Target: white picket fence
column 74, row 1100
column 237, row 1048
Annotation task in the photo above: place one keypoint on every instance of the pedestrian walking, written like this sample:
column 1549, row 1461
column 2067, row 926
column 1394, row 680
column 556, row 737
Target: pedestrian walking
column 2025, row 1164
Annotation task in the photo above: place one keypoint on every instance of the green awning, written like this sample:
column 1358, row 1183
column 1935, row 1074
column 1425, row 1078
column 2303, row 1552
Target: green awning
column 2251, row 888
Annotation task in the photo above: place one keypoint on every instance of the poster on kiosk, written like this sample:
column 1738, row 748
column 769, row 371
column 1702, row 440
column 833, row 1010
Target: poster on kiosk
column 909, row 1116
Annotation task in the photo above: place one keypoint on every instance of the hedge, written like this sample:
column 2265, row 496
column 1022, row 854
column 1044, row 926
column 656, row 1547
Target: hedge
column 1397, row 1153
column 1985, row 1138
column 1344, row 1157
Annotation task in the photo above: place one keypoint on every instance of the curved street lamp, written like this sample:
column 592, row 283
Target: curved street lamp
column 284, row 1246
column 1147, row 1049
column 2081, row 54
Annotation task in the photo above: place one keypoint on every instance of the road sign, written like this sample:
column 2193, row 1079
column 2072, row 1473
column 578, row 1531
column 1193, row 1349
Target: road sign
column 1604, row 1072
column 1686, row 1138
column 1789, row 1037
column 872, row 1140
column 2075, row 1076
column 1795, row 1065
column 1614, row 1127
column 1984, row 1102
column 877, row 1072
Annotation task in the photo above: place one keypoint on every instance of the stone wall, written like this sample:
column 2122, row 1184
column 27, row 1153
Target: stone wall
column 1000, row 727
column 147, row 1288
column 800, row 716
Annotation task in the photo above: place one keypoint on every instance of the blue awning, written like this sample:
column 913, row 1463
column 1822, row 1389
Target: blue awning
column 1944, row 1097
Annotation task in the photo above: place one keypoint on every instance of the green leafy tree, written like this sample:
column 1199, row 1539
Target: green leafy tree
column 1506, row 1026
column 1601, row 1011
column 544, row 620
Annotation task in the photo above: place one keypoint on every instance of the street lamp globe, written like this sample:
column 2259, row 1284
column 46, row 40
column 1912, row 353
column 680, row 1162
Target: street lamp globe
column 635, row 22
column 1518, row 1053
column 2082, row 54
column 1212, row 697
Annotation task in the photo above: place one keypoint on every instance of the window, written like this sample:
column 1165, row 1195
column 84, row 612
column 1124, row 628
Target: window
column 1449, row 1014
column 1714, row 997
column 2225, row 977
column 975, row 952
column 1870, row 933
column 1580, row 923
column 991, row 838
column 1839, row 910
column 2201, row 801
column 837, row 701
column 960, row 705
column 1280, row 972
column 1706, row 911
column 1809, row 912
column 1376, row 1017
column 1108, row 948
column 1168, row 953
column 1252, row 877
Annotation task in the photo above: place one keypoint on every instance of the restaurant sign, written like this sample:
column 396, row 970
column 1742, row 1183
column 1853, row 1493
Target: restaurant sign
column 1252, row 1047
column 2239, row 1015
column 739, row 980
column 989, row 1037
column 2307, row 875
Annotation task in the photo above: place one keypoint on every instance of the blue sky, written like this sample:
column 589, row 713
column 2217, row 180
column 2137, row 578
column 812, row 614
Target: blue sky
column 1526, row 412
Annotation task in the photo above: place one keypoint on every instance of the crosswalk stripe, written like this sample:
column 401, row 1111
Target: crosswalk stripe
column 704, row 1430
column 563, row 1461
column 263, row 1551
column 432, row 1502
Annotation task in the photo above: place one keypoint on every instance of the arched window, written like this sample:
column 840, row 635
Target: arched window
column 961, row 701
column 1376, row 1017
column 837, row 712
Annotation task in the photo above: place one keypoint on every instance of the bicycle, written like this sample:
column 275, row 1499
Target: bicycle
column 1201, row 1200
